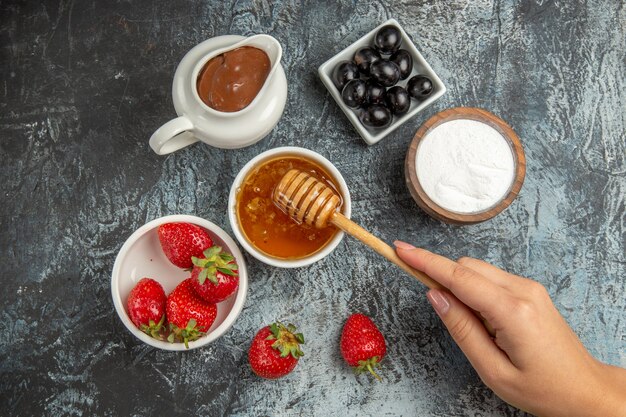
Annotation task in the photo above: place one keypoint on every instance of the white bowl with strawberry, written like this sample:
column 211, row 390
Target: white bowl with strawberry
column 179, row 282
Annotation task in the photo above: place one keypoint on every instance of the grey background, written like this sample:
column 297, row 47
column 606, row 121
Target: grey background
column 85, row 83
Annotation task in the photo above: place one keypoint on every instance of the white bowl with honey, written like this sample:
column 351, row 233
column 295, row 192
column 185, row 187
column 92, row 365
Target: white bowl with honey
column 266, row 232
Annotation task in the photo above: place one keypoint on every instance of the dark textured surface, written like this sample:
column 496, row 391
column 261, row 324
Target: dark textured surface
column 83, row 86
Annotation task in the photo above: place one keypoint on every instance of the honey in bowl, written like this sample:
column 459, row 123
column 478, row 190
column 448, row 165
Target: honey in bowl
column 265, row 226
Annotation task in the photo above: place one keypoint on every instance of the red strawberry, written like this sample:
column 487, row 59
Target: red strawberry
column 275, row 350
column 215, row 276
column 362, row 344
column 181, row 241
column 146, row 307
column 189, row 315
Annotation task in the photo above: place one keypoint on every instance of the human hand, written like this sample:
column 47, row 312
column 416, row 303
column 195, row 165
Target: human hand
column 535, row 361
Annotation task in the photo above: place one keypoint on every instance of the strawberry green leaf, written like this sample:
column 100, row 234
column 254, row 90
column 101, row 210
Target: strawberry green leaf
column 369, row 365
column 191, row 324
column 227, row 257
column 274, row 329
column 190, row 333
column 202, row 276
column 226, row 271
column 212, row 275
column 154, row 330
column 286, row 342
column 212, row 251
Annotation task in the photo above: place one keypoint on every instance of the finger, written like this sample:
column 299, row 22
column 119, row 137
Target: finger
column 467, row 285
column 514, row 283
column 491, row 363
column 491, row 272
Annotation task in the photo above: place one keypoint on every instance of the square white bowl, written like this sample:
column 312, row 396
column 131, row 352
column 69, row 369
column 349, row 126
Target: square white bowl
column 420, row 66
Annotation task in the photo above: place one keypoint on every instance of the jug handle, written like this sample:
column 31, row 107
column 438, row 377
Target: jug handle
column 172, row 136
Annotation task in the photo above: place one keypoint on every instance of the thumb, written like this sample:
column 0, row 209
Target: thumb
column 469, row 333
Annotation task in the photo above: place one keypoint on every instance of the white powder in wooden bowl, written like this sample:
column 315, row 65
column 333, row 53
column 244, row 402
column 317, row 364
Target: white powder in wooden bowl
column 465, row 166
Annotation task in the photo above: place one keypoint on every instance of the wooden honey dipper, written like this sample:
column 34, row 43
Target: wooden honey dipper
column 307, row 200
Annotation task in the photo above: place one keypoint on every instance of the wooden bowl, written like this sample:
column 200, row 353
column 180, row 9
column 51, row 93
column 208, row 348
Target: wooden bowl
column 479, row 115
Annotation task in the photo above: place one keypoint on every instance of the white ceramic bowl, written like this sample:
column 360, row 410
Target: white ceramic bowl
column 271, row 154
column 420, row 66
column 141, row 256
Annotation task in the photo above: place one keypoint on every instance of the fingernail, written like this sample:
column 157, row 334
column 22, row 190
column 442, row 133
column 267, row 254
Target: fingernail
column 439, row 301
column 403, row 245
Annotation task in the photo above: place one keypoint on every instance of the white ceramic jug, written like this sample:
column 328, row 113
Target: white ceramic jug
column 227, row 130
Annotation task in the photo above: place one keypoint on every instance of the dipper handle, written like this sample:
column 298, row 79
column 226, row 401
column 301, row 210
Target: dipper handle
column 380, row 247
column 307, row 200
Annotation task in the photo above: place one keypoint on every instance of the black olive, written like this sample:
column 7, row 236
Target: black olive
column 364, row 57
column 385, row 72
column 420, row 87
column 404, row 61
column 344, row 72
column 398, row 100
column 354, row 93
column 387, row 39
column 375, row 116
column 375, row 92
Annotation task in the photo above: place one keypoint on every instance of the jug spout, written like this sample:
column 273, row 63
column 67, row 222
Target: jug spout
column 267, row 44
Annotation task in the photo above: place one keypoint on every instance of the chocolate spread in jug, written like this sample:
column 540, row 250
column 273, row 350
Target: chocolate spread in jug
column 230, row 81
